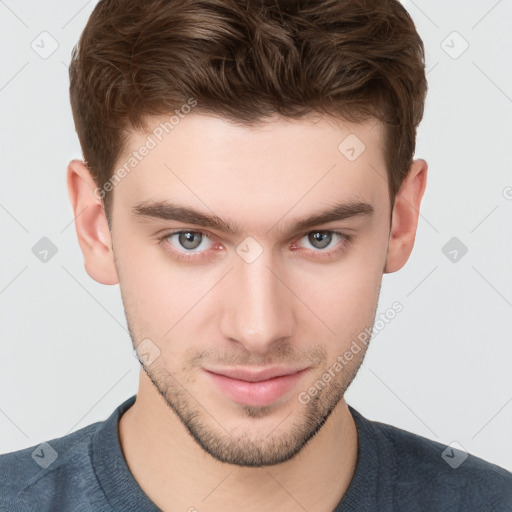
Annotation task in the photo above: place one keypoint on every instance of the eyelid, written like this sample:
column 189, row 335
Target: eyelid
column 345, row 240
column 181, row 230
column 186, row 256
column 296, row 236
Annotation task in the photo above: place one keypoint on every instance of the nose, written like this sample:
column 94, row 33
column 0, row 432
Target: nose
column 259, row 311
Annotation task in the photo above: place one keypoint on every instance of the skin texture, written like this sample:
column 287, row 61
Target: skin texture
column 295, row 304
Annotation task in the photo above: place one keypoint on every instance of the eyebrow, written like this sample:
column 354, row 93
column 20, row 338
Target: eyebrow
column 165, row 210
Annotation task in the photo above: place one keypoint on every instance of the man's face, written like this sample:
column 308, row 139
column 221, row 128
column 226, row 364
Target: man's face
column 267, row 294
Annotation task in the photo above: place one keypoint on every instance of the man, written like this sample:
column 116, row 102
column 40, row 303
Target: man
column 248, row 177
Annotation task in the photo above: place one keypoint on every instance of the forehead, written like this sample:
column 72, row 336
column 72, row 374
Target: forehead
column 283, row 136
column 206, row 160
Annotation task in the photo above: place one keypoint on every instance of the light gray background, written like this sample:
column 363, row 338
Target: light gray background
column 441, row 368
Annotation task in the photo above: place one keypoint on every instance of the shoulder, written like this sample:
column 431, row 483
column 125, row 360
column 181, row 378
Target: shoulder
column 427, row 471
column 37, row 474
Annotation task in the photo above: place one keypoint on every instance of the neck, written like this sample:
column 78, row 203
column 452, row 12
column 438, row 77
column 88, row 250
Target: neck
column 177, row 474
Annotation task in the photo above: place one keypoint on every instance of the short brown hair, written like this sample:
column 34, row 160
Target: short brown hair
column 245, row 60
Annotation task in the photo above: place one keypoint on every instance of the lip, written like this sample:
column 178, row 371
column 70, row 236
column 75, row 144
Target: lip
column 256, row 387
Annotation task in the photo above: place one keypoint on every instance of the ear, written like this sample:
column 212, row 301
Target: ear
column 91, row 224
column 405, row 216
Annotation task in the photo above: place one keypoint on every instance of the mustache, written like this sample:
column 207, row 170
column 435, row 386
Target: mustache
column 284, row 354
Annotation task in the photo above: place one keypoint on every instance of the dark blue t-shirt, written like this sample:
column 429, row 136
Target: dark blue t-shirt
column 396, row 471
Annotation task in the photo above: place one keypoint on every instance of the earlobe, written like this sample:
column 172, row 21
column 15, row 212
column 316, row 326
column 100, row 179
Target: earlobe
column 91, row 225
column 405, row 216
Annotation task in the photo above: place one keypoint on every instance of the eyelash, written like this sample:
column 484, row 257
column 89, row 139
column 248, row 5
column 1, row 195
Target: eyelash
column 345, row 241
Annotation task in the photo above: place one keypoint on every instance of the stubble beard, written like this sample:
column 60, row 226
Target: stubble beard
column 248, row 449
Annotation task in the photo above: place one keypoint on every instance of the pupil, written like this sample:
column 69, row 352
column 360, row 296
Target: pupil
column 187, row 239
column 323, row 237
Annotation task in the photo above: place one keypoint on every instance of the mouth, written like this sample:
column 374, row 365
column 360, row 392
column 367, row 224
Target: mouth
column 256, row 387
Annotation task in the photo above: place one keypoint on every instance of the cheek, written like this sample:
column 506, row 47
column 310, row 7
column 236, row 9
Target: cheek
column 158, row 292
column 147, row 286
column 344, row 295
column 345, row 302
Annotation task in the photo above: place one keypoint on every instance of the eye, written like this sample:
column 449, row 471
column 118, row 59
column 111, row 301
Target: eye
column 189, row 240
column 325, row 242
column 186, row 244
column 320, row 239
